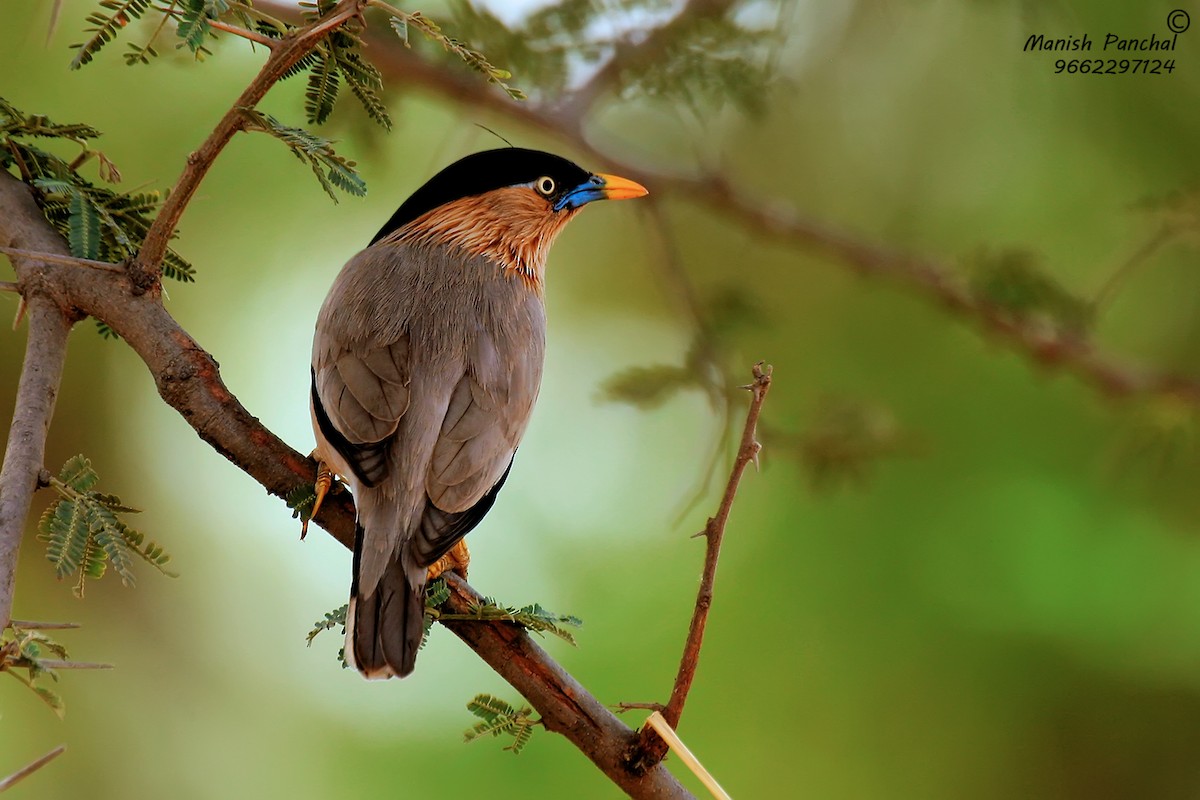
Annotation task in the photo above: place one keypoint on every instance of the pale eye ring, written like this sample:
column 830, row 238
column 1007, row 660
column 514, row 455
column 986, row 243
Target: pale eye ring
column 545, row 185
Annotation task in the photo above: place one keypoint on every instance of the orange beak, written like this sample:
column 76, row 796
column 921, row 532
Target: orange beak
column 618, row 188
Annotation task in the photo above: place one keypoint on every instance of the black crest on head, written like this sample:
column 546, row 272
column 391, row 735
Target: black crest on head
column 483, row 172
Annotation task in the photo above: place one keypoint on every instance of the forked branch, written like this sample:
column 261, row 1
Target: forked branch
column 284, row 54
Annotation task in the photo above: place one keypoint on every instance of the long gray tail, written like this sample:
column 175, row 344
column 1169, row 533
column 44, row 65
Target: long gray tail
column 384, row 626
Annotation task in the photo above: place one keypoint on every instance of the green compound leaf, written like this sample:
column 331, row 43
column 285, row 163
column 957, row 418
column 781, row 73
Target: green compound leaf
column 331, row 169
column 322, row 91
column 85, row 535
column 83, row 227
column 97, row 222
column 500, row 718
column 105, row 27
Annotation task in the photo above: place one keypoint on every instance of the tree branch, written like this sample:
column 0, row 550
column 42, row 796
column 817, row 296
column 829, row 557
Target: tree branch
column 41, row 373
column 145, row 268
column 189, row 381
column 651, row 747
column 934, row 280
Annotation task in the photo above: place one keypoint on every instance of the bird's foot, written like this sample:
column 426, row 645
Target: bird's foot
column 321, row 487
column 456, row 560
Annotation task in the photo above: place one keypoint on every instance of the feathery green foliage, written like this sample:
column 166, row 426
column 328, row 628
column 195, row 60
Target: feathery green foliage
column 402, row 21
column 84, row 534
column 322, row 91
column 1012, row 281
column 846, row 437
column 705, row 61
column 97, row 222
column 104, row 27
column 498, row 717
column 332, row 170
column 301, row 500
column 27, row 648
column 339, row 60
column 333, row 619
column 532, row 617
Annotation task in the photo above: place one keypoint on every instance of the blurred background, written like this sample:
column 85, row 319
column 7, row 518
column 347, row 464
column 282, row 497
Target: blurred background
column 958, row 573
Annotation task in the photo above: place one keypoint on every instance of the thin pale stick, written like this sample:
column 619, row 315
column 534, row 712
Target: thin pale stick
column 48, row 663
column 659, row 724
column 31, row 625
column 29, row 769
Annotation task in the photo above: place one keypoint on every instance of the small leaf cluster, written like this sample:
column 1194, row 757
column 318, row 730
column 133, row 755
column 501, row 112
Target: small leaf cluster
column 498, row 717
column 1014, row 282
column 531, row 617
column 338, row 60
column 401, row 22
column 333, row 619
column 436, row 593
column 705, row 60
column 301, row 501
column 192, row 26
column 85, row 535
column 846, row 437
column 26, row 649
column 332, row 170
column 649, row 386
column 97, row 222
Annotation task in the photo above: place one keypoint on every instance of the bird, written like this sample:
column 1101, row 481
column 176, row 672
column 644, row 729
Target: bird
column 426, row 362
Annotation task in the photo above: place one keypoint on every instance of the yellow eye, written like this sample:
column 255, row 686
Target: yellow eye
column 545, row 185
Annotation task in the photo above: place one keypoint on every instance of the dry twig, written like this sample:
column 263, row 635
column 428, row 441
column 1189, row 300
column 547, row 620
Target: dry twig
column 652, row 747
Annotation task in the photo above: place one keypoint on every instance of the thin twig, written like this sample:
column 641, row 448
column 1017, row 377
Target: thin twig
column 285, row 53
column 10, row 286
column 33, row 625
column 236, row 30
column 1138, row 257
column 29, row 769
column 621, row 708
column 651, row 747
column 58, row 258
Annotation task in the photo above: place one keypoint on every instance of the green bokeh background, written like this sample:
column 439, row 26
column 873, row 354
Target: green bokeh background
column 1014, row 611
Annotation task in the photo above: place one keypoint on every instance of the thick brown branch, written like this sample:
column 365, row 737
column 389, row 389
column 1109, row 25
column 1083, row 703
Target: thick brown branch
column 41, row 372
column 144, row 269
column 651, row 748
column 189, row 380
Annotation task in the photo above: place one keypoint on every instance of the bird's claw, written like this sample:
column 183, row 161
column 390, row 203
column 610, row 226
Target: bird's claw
column 322, row 486
column 456, row 560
